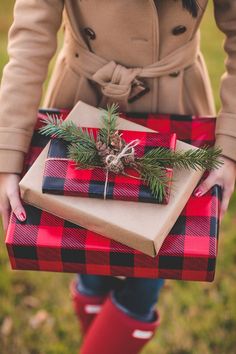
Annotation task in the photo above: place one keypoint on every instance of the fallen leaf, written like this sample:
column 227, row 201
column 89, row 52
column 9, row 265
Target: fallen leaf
column 6, row 327
column 38, row 319
column 31, row 301
column 19, row 289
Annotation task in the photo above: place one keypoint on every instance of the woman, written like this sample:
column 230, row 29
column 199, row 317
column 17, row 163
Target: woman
column 145, row 56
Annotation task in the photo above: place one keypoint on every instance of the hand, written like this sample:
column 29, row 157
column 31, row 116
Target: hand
column 224, row 176
column 10, row 198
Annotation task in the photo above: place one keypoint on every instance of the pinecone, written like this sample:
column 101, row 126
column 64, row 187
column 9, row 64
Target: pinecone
column 117, row 168
column 109, row 153
column 103, row 149
column 116, row 141
column 127, row 160
column 100, row 146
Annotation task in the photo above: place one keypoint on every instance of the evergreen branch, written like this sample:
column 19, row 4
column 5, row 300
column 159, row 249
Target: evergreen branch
column 50, row 123
column 83, row 155
column 109, row 120
column 156, row 179
column 202, row 158
column 67, row 130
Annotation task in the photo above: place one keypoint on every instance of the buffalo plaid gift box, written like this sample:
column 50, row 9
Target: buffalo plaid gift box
column 62, row 177
column 48, row 243
column 194, row 130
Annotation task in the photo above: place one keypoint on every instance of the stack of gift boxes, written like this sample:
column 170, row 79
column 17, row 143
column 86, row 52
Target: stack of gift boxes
column 77, row 221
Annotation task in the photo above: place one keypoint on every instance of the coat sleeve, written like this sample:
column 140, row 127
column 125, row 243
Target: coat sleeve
column 225, row 15
column 32, row 41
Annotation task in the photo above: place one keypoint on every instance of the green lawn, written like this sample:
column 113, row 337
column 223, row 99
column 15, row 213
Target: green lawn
column 35, row 310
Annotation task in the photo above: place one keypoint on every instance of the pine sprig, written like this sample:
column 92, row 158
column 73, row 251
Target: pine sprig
column 67, row 130
column 156, row 178
column 202, row 158
column 84, row 156
column 109, row 119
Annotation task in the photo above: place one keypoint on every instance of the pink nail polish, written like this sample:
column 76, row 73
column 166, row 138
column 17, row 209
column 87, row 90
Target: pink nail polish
column 198, row 193
column 22, row 216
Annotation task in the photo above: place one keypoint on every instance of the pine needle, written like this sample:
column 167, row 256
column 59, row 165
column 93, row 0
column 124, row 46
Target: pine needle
column 67, row 130
column 156, row 178
column 109, row 120
column 204, row 158
column 83, row 155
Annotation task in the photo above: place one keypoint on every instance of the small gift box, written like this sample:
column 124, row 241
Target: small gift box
column 53, row 244
column 142, row 226
column 62, row 177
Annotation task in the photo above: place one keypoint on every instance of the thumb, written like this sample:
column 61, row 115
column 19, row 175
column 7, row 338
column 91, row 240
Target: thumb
column 204, row 186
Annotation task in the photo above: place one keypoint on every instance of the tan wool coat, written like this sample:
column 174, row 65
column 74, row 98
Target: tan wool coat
column 143, row 54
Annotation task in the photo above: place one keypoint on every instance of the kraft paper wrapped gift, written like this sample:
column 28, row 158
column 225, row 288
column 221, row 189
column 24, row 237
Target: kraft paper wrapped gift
column 142, row 226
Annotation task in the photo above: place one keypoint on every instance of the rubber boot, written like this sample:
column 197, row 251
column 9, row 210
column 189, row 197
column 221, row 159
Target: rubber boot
column 86, row 307
column 115, row 332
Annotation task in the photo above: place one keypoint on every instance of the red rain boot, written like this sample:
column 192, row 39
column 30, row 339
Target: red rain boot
column 86, row 307
column 114, row 332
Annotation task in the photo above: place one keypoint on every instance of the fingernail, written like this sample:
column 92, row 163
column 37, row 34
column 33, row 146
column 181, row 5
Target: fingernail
column 22, row 216
column 198, row 193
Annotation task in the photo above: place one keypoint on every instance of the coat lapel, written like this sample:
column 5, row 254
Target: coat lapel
column 192, row 6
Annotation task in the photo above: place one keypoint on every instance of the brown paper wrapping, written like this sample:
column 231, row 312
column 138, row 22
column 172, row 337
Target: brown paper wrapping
column 142, row 226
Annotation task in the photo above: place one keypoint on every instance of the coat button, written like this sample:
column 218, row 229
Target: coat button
column 174, row 74
column 90, row 33
column 179, row 30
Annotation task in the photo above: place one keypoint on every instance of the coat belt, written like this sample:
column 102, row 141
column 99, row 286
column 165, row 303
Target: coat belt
column 120, row 83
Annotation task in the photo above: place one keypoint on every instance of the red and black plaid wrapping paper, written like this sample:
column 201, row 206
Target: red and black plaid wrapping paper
column 48, row 243
column 45, row 242
column 194, row 130
column 39, row 141
column 62, row 177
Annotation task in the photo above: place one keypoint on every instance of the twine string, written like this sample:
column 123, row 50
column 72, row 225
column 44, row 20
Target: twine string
column 106, row 185
column 113, row 160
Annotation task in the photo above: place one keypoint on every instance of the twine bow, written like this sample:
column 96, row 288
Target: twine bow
column 113, row 163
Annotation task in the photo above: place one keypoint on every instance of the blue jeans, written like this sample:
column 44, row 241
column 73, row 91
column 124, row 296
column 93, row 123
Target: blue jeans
column 135, row 296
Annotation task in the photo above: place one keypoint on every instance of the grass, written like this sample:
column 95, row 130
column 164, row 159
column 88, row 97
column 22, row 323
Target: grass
column 35, row 310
